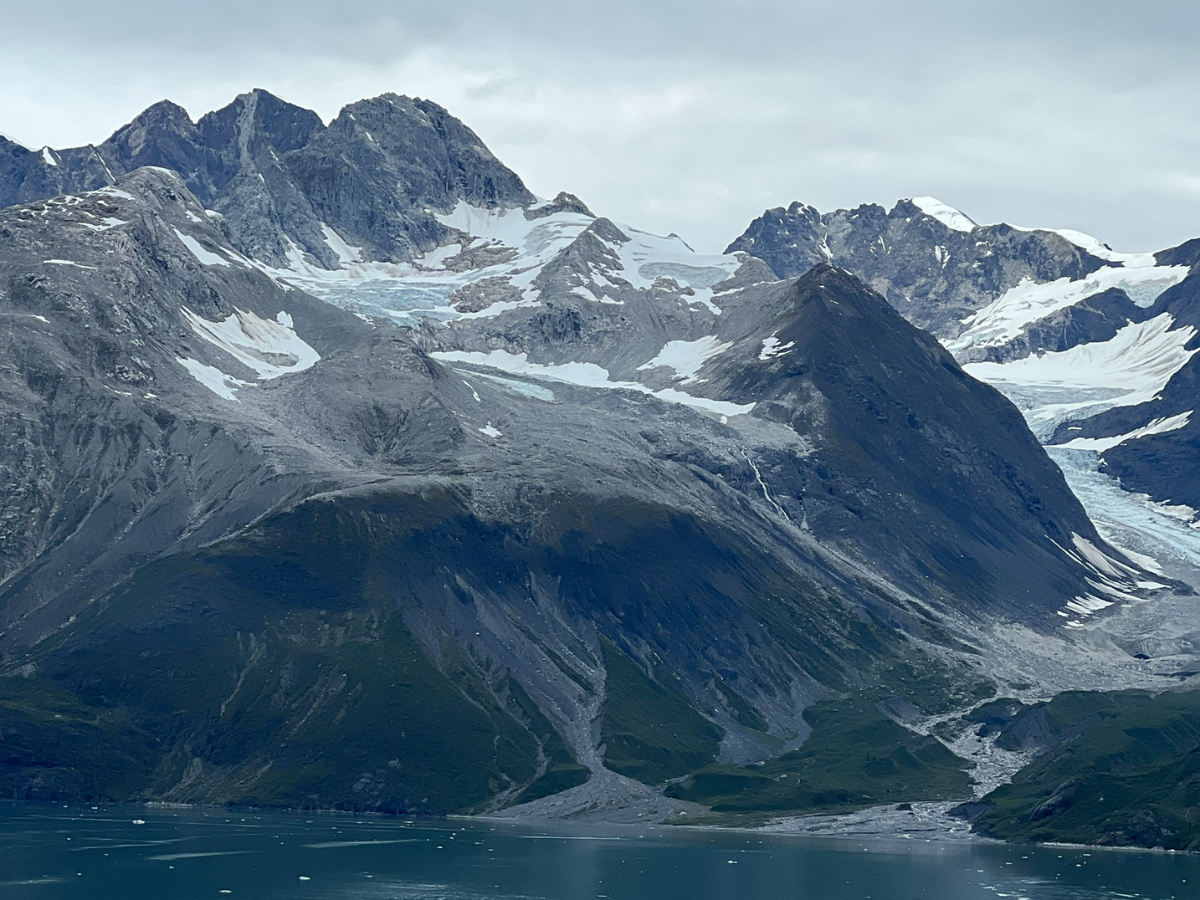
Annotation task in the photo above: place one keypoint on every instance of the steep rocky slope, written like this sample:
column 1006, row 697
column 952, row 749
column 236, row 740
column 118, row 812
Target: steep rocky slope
column 607, row 506
column 1095, row 346
column 289, row 187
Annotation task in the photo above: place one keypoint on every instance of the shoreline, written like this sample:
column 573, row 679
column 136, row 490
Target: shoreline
column 880, row 823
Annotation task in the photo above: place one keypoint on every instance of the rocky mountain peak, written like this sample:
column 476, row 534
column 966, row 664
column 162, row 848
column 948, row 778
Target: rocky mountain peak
column 928, row 259
column 254, row 122
column 563, row 202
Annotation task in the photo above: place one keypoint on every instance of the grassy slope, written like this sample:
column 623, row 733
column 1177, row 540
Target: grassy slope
column 1120, row 769
column 277, row 668
column 649, row 731
column 855, row 757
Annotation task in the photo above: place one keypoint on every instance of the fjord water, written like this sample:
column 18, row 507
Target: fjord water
column 104, row 854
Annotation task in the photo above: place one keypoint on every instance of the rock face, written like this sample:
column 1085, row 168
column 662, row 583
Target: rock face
column 627, row 510
column 1162, row 456
column 1096, row 346
column 1115, row 769
column 936, row 274
column 288, row 186
column 1095, row 319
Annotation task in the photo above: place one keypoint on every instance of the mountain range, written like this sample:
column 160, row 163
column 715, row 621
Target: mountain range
column 341, row 471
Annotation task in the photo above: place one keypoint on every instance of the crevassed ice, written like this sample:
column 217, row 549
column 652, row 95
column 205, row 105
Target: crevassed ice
column 1130, row 368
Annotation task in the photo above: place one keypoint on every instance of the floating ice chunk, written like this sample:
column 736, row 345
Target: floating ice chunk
column 686, row 357
column 204, row 257
column 213, row 378
column 947, row 215
column 270, row 347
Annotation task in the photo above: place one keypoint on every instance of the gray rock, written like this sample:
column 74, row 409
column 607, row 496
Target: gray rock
column 933, row 274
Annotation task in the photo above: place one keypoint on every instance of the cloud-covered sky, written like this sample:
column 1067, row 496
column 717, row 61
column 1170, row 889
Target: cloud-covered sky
column 690, row 116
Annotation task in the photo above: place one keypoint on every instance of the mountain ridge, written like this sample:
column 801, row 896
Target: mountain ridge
column 571, row 480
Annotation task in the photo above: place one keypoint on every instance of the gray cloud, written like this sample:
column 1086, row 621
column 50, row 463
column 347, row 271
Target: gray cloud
column 692, row 117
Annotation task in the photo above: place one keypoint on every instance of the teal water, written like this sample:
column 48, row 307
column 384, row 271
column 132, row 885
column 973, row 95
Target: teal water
column 101, row 854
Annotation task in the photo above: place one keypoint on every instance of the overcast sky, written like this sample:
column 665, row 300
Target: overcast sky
column 686, row 115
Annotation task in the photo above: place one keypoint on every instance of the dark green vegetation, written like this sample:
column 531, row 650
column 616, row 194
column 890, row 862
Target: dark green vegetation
column 1119, row 769
column 855, row 757
column 357, row 652
column 649, row 731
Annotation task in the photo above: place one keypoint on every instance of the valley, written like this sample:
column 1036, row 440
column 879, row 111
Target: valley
column 344, row 473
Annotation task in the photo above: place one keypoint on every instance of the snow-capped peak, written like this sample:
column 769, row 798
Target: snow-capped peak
column 1099, row 249
column 947, row 215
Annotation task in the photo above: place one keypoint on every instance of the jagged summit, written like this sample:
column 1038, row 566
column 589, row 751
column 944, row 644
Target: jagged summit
column 930, row 261
column 375, row 176
column 529, row 501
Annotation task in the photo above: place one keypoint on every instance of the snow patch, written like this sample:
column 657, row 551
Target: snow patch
column 1097, row 248
column 1004, row 318
column 270, row 348
column 109, row 222
column 947, row 215
column 346, row 253
column 213, row 378
column 585, row 375
column 771, row 348
column 686, row 357
column 1158, row 426
column 48, row 157
column 114, row 192
column 490, row 430
column 65, row 262
column 204, row 257
column 588, row 294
